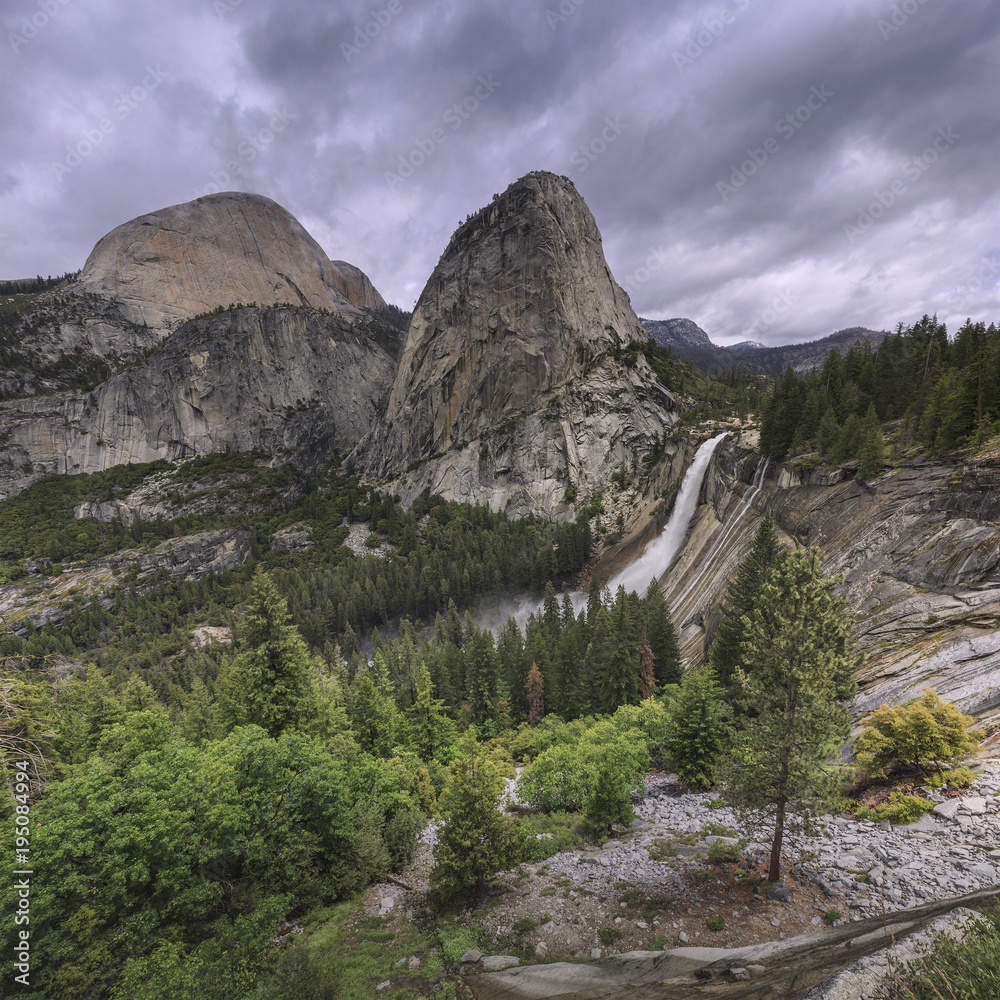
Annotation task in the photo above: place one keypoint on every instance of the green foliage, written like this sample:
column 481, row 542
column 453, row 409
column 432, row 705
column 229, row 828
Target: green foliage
column 551, row 833
column 726, row 655
column 608, row 934
column 477, row 840
column 966, row 967
column 899, row 809
column 721, row 853
column 832, row 916
column 917, row 735
column 715, row 923
column 456, row 941
column 798, row 678
column 697, row 734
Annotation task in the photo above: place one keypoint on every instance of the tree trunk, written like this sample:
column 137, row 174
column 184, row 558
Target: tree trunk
column 774, row 872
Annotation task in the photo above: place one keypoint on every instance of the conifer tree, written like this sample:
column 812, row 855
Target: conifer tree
column 741, row 595
column 430, row 728
column 478, row 839
column 662, row 637
column 697, row 732
column 647, row 679
column 536, row 695
column 873, row 449
column 797, row 680
column 268, row 680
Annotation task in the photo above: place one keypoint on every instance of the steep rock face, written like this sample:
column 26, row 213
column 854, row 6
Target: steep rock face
column 677, row 333
column 168, row 266
column 920, row 552
column 511, row 387
column 293, row 382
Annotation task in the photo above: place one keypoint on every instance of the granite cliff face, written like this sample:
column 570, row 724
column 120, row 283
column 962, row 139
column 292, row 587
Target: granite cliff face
column 174, row 264
column 512, row 387
column 295, row 383
column 919, row 550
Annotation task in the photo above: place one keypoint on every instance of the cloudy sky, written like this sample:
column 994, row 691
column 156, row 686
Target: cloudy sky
column 773, row 169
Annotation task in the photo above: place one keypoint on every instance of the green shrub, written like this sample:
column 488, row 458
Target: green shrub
column 716, row 923
column 832, row 916
column 900, row 809
column 456, row 941
column 720, row 853
column 609, row 934
column 373, row 541
column 915, row 735
column 964, row 969
column 560, row 831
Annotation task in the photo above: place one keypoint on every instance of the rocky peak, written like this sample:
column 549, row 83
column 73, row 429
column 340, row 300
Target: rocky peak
column 677, row 332
column 176, row 263
column 518, row 320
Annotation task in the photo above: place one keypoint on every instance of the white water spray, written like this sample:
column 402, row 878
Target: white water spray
column 660, row 552
column 728, row 528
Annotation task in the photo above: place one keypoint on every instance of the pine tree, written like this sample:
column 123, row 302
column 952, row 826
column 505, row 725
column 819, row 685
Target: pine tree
column 536, row 695
column 797, row 681
column 741, row 595
column 268, row 680
column 478, row 839
column 647, row 679
column 697, row 732
column 873, row 449
column 430, row 728
column 662, row 637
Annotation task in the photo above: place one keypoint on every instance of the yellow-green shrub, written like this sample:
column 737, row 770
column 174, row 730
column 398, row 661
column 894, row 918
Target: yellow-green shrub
column 915, row 735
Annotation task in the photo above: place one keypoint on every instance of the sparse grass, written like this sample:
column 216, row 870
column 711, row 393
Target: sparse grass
column 832, row 916
column 720, row 853
column 715, row 923
column 549, row 891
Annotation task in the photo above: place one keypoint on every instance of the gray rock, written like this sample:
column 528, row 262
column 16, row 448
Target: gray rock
column 740, row 974
column 471, row 956
column 495, row 963
column 779, row 892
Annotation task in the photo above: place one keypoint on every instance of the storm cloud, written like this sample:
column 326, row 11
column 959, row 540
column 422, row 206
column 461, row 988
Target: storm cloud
column 770, row 169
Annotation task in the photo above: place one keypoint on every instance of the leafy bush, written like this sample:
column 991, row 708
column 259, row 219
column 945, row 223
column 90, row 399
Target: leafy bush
column 716, row 923
column 456, row 941
column 900, row 809
column 373, row 541
column 915, row 735
column 609, row 935
column 570, row 777
column 832, row 916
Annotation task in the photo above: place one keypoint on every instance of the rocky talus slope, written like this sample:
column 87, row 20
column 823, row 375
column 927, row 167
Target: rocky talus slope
column 292, row 382
column 512, row 387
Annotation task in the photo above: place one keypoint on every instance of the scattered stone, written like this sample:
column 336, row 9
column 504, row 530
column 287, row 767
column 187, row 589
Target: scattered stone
column 682, row 937
column 382, row 986
column 471, row 956
column 413, row 963
column 780, row 893
column 740, row 974
column 775, row 922
column 948, row 809
column 541, row 949
column 595, row 953
column 497, row 963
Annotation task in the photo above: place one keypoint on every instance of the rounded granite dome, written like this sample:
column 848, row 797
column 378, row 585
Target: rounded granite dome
column 178, row 262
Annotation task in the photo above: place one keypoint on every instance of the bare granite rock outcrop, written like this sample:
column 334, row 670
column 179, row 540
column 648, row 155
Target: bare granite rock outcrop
column 516, row 381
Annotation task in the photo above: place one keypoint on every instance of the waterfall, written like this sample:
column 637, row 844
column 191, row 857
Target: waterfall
column 660, row 552
column 729, row 527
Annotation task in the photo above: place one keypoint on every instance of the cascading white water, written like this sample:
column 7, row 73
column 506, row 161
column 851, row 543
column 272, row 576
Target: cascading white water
column 660, row 552
column 756, row 485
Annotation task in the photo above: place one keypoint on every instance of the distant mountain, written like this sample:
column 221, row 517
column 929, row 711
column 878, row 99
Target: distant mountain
column 686, row 339
column 677, row 333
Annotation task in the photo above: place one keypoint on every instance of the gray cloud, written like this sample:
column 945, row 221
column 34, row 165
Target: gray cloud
column 671, row 121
